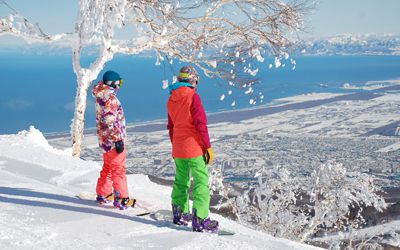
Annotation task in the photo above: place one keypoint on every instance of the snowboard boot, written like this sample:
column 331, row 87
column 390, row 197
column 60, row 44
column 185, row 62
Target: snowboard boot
column 204, row 225
column 180, row 218
column 104, row 199
column 128, row 202
column 123, row 203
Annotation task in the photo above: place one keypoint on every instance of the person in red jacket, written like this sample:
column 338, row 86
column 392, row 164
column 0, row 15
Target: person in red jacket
column 191, row 150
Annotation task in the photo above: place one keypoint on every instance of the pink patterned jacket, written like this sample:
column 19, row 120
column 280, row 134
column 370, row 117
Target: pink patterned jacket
column 110, row 117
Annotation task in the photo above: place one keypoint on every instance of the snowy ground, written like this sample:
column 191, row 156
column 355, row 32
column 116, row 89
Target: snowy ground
column 38, row 208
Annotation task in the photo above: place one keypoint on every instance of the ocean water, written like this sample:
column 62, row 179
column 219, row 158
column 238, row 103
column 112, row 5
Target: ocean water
column 39, row 90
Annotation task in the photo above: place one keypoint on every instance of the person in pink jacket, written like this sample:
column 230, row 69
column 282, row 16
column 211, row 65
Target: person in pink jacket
column 111, row 132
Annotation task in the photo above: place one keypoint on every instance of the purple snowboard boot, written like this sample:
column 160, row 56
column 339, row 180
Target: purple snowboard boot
column 180, row 218
column 204, row 225
column 122, row 204
column 119, row 202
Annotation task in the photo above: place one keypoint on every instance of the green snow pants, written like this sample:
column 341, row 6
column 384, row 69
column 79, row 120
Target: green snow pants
column 201, row 192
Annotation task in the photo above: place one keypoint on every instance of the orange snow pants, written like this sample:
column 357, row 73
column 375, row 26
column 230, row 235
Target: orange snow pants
column 113, row 175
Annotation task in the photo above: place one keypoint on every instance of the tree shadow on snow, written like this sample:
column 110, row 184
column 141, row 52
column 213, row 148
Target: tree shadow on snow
column 78, row 209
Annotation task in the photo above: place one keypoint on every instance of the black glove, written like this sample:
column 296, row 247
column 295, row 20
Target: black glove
column 119, row 146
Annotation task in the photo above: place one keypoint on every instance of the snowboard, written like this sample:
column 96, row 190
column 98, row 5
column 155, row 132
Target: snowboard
column 141, row 206
column 144, row 209
column 166, row 216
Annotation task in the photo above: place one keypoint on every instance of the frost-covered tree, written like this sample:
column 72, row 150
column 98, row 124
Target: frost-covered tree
column 296, row 207
column 223, row 38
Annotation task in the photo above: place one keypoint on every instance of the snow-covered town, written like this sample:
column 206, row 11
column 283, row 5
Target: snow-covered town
column 361, row 134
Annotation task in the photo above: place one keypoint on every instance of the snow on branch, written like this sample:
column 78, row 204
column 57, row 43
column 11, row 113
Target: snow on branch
column 298, row 207
column 17, row 25
column 220, row 37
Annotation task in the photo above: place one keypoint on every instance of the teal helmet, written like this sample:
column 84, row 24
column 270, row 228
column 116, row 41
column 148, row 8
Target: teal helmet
column 111, row 76
column 112, row 79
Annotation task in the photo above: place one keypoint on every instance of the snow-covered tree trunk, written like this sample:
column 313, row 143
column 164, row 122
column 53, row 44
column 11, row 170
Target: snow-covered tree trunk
column 78, row 122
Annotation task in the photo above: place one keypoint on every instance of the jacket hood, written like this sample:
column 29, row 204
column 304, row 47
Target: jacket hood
column 181, row 92
column 103, row 91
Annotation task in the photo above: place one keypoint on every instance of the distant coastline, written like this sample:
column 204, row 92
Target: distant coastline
column 235, row 116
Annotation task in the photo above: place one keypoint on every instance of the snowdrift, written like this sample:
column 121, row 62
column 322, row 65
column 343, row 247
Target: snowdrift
column 39, row 208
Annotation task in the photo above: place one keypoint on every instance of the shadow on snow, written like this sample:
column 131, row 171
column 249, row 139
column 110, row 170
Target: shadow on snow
column 78, row 209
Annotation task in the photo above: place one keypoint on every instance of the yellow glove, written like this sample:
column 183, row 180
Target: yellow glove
column 209, row 156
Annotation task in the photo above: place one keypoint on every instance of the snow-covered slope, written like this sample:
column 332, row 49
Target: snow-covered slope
column 38, row 208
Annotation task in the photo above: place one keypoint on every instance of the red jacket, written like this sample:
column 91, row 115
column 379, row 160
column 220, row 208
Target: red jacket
column 187, row 124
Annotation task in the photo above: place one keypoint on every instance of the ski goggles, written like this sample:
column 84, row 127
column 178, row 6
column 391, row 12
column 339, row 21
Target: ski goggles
column 114, row 84
column 186, row 77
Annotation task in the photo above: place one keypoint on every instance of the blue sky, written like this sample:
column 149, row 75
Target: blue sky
column 331, row 17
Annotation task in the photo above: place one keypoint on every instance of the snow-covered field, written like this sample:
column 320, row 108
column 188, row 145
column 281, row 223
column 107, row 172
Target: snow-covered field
column 39, row 210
